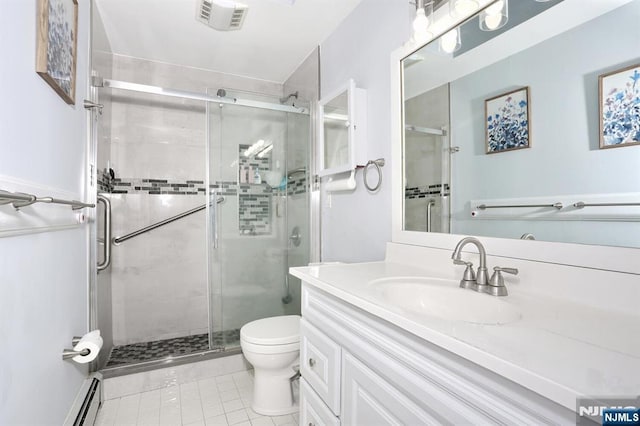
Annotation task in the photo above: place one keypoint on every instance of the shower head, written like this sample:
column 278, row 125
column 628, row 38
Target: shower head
column 289, row 96
column 221, row 93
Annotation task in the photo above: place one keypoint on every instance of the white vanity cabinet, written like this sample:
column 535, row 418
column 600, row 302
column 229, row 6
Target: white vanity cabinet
column 358, row 369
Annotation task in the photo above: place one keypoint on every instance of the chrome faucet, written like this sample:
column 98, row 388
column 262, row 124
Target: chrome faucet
column 480, row 281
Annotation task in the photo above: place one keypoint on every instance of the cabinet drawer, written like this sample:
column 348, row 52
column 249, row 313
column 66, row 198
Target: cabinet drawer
column 313, row 411
column 320, row 364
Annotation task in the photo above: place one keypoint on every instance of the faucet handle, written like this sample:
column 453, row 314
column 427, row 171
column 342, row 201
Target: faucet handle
column 496, row 285
column 513, row 271
column 469, row 277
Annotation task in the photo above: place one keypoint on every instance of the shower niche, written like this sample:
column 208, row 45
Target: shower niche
column 254, row 194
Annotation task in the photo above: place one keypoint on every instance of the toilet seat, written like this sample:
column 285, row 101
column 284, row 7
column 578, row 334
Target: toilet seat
column 269, row 349
column 274, row 331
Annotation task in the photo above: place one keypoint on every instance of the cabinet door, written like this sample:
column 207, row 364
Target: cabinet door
column 314, row 412
column 320, row 364
column 367, row 399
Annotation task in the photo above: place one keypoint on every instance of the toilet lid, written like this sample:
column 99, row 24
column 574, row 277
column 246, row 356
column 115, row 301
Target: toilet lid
column 272, row 331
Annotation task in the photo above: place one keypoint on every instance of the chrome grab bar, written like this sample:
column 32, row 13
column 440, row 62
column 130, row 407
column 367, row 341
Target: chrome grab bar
column 581, row 204
column 106, row 261
column 133, row 234
column 555, row 205
column 430, row 204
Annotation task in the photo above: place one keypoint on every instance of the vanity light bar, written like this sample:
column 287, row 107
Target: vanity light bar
column 485, row 207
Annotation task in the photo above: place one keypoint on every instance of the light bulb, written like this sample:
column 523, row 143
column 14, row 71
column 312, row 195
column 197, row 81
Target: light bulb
column 421, row 22
column 492, row 21
column 494, row 16
column 464, row 7
column 449, row 41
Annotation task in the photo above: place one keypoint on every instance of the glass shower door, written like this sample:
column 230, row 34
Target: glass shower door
column 248, row 234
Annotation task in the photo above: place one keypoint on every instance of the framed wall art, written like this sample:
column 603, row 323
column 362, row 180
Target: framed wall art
column 57, row 35
column 507, row 126
column 620, row 107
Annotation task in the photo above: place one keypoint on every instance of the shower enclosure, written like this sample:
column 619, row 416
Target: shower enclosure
column 209, row 208
column 427, row 171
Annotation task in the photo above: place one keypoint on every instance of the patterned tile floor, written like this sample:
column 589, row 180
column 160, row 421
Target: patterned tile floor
column 216, row 401
column 159, row 349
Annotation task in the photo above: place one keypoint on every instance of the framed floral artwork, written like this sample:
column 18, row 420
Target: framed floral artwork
column 507, row 121
column 57, row 45
column 620, row 107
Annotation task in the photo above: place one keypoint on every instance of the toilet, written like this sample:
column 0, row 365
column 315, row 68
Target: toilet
column 272, row 346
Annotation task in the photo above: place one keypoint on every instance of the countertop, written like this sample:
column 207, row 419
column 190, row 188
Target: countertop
column 559, row 349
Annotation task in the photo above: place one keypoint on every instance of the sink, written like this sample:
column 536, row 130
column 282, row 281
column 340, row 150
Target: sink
column 442, row 298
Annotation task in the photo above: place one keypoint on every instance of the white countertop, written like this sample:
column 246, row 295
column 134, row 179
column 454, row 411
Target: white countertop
column 559, row 349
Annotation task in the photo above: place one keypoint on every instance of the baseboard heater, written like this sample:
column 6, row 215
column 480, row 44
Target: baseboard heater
column 85, row 408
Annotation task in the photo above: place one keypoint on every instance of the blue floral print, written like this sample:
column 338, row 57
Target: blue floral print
column 621, row 112
column 508, row 127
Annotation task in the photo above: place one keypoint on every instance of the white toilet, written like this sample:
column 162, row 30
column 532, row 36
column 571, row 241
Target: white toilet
column 272, row 346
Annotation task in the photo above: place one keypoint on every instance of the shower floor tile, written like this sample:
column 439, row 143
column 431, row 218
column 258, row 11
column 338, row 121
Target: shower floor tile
column 159, row 349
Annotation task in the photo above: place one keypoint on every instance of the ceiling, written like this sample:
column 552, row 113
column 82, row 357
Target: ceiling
column 275, row 38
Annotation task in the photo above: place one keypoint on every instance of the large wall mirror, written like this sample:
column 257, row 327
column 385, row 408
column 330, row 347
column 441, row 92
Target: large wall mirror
column 524, row 122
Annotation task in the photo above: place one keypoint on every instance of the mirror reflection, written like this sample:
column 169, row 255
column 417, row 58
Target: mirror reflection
column 336, row 136
column 516, row 133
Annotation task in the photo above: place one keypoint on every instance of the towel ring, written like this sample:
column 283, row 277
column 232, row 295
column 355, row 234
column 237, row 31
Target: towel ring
column 378, row 164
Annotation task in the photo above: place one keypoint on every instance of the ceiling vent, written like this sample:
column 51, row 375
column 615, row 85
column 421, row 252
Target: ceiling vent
column 222, row 15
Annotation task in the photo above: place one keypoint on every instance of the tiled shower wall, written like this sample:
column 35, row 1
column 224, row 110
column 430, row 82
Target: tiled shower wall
column 159, row 279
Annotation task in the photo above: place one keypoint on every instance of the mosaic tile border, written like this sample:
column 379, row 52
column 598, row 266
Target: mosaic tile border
column 295, row 185
column 441, row 189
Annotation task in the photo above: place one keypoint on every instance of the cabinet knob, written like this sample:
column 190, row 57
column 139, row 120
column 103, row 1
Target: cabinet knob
column 312, row 362
column 311, row 424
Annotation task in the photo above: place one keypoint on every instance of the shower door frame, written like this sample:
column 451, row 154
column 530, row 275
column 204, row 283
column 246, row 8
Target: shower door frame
column 96, row 83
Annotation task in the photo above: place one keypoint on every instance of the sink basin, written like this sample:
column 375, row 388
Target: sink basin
column 444, row 299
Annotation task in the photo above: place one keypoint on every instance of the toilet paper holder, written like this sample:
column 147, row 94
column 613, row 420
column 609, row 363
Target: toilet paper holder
column 70, row 353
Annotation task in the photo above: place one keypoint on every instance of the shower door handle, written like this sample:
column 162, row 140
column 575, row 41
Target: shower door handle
column 216, row 202
column 106, row 261
column 430, row 204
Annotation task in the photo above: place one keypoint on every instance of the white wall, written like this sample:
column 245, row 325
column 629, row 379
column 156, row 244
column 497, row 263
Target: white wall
column 43, row 277
column 355, row 226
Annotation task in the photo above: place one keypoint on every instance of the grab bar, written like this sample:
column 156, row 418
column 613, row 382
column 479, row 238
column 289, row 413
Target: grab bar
column 430, row 204
column 106, row 261
column 555, row 205
column 19, row 199
column 581, row 204
column 124, row 238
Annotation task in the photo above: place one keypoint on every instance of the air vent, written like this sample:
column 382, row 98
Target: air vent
column 222, row 15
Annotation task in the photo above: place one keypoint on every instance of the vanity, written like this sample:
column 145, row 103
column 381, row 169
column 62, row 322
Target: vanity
column 399, row 342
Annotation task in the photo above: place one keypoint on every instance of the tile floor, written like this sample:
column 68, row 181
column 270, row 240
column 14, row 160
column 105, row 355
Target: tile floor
column 216, row 401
